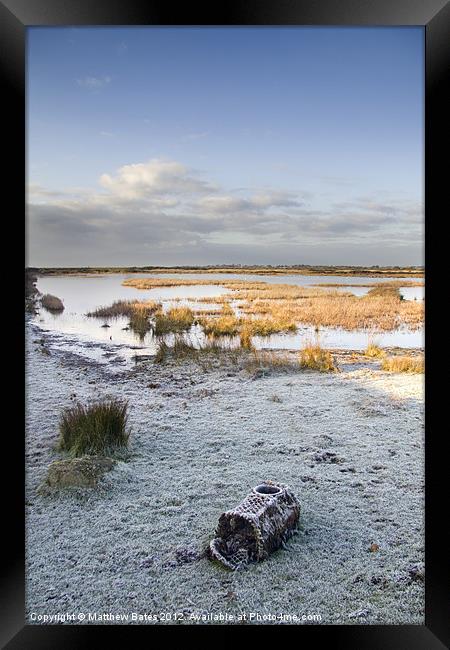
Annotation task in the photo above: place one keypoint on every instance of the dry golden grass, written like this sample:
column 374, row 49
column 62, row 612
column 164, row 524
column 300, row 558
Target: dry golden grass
column 392, row 283
column 177, row 319
column 228, row 324
column 267, row 360
column 217, row 300
column 384, row 291
column 125, row 308
column 348, row 312
column 245, row 289
column 266, row 291
column 154, row 283
column 314, row 357
column 374, row 351
column 245, row 339
column 137, row 311
column 210, row 311
column 227, row 310
column 267, row 326
column 380, row 309
column 221, row 326
column 404, row 364
column 180, row 350
column 205, row 355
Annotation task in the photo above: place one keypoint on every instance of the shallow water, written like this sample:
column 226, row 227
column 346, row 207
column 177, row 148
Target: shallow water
column 73, row 330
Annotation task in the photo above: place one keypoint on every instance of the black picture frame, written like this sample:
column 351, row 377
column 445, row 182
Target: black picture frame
column 434, row 16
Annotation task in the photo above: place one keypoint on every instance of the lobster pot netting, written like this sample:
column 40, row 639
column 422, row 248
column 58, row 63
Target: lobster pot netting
column 259, row 525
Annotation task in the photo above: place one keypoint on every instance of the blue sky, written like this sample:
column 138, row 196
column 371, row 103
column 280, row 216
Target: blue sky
column 222, row 145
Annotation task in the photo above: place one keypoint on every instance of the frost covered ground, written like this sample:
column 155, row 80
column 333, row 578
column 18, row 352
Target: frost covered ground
column 350, row 445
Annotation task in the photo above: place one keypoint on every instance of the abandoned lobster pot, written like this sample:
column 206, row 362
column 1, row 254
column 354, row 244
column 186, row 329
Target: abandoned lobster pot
column 261, row 524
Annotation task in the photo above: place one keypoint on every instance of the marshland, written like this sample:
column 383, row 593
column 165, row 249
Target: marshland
column 128, row 313
column 224, row 305
column 209, row 383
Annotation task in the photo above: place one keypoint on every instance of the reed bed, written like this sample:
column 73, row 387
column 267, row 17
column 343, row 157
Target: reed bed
column 349, row 312
column 408, row 364
column 382, row 308
column 384, row 291
column 228, row 324
column 210, row 311
column 182, row 350
column 125, row 308
column 154, row 283
column 225, row 324
column 265, row 361
column 263, row 327
column 137, row 311
column 176, row 319
column 269, row 292
column 392, row 283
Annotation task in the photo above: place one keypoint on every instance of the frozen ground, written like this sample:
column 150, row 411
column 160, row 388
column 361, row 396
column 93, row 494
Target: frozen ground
column 201, row 439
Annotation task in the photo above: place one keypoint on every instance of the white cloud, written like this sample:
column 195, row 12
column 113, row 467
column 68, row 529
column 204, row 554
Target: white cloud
column 153, row 178
column 161, row 207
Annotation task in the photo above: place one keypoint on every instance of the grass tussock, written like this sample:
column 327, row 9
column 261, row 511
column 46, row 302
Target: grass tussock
column 374, row 351
column 177, row 319
column 404, row 364
column 52, row 303
column 95, row 429
column 225, row 324
column 314, row 357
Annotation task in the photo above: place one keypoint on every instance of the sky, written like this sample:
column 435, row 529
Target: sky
column 178, row 146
